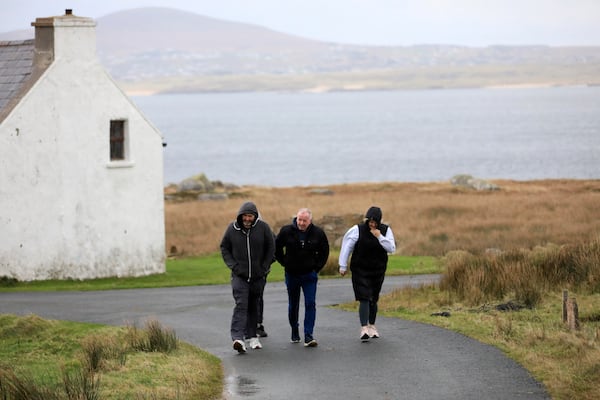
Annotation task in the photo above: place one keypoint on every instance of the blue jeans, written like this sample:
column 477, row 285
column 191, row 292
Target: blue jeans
column 308, row 284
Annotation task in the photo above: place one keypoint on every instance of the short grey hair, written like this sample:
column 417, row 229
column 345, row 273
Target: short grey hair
column 305, row 210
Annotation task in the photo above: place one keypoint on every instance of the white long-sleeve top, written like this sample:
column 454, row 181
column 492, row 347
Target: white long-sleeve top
column 350, row 238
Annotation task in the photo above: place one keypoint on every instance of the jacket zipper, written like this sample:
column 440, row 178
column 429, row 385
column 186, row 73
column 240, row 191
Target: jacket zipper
column 249, row 256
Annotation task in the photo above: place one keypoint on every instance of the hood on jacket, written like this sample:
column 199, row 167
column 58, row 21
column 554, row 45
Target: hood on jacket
column 247, row 208
column 373, row 213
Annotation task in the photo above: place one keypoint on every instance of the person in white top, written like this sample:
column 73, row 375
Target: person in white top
column 369, row 242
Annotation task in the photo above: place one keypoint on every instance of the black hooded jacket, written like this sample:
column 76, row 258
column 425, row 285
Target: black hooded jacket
column 248, row 253
column 300, row 254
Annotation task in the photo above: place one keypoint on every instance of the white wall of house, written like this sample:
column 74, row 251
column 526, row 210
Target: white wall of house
column 66, row 210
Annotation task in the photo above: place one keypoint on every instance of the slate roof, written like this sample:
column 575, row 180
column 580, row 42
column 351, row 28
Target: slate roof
column 16, row 65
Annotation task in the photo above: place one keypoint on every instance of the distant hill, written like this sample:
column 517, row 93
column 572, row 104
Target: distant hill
column 162, row 49
column 151, row 29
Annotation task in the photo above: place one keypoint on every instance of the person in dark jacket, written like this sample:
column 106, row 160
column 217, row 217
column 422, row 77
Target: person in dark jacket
column 247, row 249
column 369, row 242
column 302, row 249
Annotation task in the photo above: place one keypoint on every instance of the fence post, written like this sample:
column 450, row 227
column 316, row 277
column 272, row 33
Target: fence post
column 573, row 314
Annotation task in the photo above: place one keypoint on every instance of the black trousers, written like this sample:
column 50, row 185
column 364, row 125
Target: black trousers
column 245, row 312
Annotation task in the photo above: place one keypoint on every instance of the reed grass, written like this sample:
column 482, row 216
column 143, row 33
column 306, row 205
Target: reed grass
column 154, row 338
column 522, row 273
column 427, row 218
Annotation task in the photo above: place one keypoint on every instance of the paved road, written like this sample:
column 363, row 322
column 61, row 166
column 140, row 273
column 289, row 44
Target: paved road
column 409, row 361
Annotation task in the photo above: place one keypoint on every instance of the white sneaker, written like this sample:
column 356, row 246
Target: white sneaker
column 364, row 334
column 373, row 331
column 255, row 343
column 239, row 345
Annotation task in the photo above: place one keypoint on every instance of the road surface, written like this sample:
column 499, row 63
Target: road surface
column 409, row 361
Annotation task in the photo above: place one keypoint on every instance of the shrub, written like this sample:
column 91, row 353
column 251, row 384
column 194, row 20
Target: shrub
column 154, row 338
column 7, row 281
column 13, row 387
column 160, row 339
column 522, row 273
column 81, row 384
column 93, row 352
column 98, row 350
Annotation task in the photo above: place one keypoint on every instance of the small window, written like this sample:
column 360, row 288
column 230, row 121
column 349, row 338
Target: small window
column 117, row 140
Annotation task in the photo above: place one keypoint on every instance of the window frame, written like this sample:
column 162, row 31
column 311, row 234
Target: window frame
column 118, row 140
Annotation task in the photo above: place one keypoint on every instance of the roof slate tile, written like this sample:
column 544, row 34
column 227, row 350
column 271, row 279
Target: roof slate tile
column 16, row 65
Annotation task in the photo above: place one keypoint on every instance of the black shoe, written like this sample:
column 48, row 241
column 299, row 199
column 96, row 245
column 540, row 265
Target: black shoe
column 239, row 346
column 295, row 336
column 309, row 341
column 260, row 331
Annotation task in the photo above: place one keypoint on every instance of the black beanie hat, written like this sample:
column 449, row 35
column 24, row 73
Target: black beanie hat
column 374, row 213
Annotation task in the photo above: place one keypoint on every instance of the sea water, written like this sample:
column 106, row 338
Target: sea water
column 298, row 139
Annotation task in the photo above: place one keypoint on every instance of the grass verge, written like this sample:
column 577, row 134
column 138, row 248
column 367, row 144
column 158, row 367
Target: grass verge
column 46, row 359
column 205, row 270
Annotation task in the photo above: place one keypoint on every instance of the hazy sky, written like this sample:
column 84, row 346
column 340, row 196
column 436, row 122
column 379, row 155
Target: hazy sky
column 380, row 22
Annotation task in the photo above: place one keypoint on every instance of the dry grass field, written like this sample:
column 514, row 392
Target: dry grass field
column 427, row 218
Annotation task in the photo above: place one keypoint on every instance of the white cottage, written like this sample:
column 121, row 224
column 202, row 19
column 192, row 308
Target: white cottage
column 81, row 169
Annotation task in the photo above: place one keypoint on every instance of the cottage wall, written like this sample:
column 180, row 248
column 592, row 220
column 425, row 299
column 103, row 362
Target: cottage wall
column 66, row 210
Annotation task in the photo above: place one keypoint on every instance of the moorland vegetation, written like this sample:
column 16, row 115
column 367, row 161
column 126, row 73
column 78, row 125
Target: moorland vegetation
column 427, row 218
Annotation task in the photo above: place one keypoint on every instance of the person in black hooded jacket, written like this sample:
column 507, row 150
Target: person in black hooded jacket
column 302, row 249
column 248, row 249
column 369, row 242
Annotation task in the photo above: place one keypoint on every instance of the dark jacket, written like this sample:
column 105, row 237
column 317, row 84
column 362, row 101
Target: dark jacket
column 301, row 253
column 248, row 253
